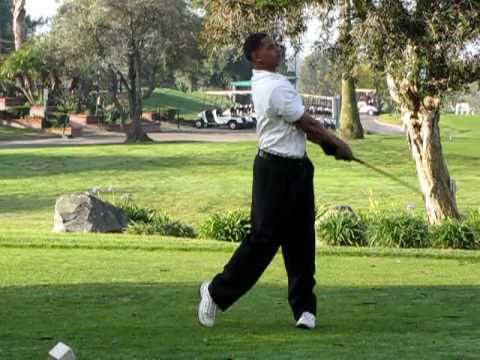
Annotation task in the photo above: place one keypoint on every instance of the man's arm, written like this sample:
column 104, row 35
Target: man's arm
column 330, row 143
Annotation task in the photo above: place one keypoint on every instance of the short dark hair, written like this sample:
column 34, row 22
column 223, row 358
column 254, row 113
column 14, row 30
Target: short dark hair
column 252, row 43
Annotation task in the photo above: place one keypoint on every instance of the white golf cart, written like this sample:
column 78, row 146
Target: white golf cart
column 369, row 109
column 235, row 116
column 217, row 118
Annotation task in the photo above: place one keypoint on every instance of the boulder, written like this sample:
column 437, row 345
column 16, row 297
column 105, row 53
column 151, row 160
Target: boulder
column 86, row 213
column 333, row 210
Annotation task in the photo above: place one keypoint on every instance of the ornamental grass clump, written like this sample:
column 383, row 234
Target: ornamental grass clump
column 454, row 234
column 232, row 226
column 146, row 221
column 161, row 224
column 473, row 220
column 341, row 228
column 398, row 230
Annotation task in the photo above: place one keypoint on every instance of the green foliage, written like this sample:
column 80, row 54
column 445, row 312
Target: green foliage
column 454, row 234
column 233, row 226
column 316, row 76
column 57, row 119
column 19, row 111
column 25, row 61
column 341, row 228
column 473, row 219
column 161, row 224
column 145, row 221
column 400, row 230
column 135, row 212
column 6, row 33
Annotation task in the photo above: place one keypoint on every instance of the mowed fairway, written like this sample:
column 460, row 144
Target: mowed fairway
column 139, row 301
column 189, row 181
column 133, row 297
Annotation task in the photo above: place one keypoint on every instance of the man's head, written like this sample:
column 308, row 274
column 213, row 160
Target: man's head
column 262, row 51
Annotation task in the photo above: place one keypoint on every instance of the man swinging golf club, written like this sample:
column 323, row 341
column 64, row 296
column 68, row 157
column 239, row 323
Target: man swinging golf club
column 283, row 205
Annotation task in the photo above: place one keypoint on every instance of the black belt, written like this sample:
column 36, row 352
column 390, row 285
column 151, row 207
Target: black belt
column 269, row 156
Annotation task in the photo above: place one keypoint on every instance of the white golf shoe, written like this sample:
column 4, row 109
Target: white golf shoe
column 207, row 309
column 306, row 321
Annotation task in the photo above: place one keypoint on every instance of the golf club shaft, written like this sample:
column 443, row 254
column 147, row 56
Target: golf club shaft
column 390, row 176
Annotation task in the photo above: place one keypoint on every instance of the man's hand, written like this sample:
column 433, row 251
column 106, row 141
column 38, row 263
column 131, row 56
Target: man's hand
column 330, row 143
column 343, row 150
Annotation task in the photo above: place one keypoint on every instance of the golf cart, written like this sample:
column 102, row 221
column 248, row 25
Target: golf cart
column 369, row 109
column 322, row 108
column 217, row 118
column 235, row 116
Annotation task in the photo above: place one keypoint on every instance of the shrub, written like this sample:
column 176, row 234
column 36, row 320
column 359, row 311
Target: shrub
column 161, row 224
column 341, row 228
column 401, row 230
column 145, row 221
column 473, row 219
column 19, row 111
column 57, row 119
column 233, row 226
column 136, row 213
column 454, row 234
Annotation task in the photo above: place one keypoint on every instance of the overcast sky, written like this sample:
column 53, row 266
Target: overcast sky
column 38, row 8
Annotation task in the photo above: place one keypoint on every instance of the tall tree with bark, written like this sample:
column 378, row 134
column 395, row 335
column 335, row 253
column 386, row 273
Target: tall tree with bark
column 427, row 49
column 131, row 41
column 350, row 125
column 19, row 13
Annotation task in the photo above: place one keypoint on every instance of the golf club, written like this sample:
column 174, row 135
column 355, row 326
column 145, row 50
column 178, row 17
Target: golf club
column 390, row 176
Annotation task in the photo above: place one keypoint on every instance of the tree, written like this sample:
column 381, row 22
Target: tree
column 350, row 125
column 426, row 48
column 6, row 34
column 317, row 75
column 131, row 42
column 228, row 22
column 19, row 13
column 28, row 70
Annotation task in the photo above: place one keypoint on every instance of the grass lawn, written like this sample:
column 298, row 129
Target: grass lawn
column 450, row 119
column 192, row 180
column 137, row 299
column 133, row 297
column 10, row 134
column 189, row 104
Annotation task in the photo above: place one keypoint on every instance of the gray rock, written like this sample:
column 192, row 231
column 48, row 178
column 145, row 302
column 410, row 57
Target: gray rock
column 335, row 210
column 86, row 213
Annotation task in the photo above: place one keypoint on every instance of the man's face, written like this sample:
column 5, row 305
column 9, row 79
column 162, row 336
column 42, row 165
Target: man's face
column 269, row 54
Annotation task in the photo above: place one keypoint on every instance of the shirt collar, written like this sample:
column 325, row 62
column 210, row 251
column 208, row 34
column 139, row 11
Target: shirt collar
column 261, row 74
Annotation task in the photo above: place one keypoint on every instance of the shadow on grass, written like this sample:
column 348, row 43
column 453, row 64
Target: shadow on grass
column 158, row 321
column 16, row 205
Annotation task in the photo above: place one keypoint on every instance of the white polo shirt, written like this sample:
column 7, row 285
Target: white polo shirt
column 277, row 106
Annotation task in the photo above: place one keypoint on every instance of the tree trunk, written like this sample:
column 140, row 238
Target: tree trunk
column 423, row 135
column 19, row 23
column 350, row 125
column 421, row 122
column 135, row 133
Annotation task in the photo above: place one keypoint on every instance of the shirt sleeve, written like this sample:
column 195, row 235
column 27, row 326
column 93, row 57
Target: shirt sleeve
column 286, row 104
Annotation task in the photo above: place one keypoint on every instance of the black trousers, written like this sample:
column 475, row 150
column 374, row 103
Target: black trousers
column 283, row 215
